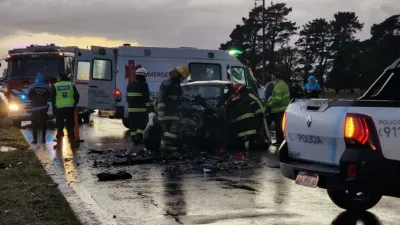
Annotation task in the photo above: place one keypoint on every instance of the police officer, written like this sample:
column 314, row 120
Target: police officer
column 168, row 103
column 39, row 94
column 245, row 113
column 138, row 106
column 65, row 97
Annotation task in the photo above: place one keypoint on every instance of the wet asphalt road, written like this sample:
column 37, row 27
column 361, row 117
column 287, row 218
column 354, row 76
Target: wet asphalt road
column 154, row 196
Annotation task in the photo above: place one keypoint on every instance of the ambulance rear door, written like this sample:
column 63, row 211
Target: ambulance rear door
column 242, row 74
column 102, row 80
column 81, row 75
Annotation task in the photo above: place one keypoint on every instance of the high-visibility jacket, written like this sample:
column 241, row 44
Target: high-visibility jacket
column 138, row 96
column 280, row 97
column 168, row 101
column 64, row 94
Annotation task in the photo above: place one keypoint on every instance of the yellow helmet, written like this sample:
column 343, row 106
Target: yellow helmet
column 183, row 71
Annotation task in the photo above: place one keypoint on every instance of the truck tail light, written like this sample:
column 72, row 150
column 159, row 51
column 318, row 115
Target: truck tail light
column 284, row 125
column 360, row 132
column 117, row 95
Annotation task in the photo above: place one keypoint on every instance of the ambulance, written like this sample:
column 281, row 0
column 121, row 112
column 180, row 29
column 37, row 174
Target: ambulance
column 23, row 64
column 112, row 68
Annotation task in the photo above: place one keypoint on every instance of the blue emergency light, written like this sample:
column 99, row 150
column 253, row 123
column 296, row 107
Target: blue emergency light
column 23, row 97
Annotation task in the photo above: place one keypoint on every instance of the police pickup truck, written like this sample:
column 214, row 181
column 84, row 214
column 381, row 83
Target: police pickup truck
column 349, row 147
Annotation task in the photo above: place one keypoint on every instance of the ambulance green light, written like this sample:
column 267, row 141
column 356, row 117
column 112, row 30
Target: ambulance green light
column 235, row 52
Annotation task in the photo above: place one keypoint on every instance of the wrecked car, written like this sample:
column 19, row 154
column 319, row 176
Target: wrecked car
column 204, row 125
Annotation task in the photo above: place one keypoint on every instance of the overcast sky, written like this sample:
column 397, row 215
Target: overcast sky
column 194, row 23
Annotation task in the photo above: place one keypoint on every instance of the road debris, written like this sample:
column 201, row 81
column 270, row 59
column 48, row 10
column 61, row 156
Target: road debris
column 121, row 175
column 95, row 151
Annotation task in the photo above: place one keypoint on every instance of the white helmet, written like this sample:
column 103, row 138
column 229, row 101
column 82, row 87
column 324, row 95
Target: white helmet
column 141, row 72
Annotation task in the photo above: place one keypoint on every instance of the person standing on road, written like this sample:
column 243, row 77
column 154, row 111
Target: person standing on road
column 278, row 103
column 296, row 91
column 168, row 103
column 312, row 88
column 39, row 94
column 138, row 97
column 65, row 97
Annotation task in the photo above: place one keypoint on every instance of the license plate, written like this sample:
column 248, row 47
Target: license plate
column 307, row 180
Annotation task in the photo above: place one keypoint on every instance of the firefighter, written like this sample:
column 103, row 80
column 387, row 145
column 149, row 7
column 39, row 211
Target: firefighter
column 245, row 113
column 39, row 94
column 65, row 97
column 138, row 97
column 168, row 110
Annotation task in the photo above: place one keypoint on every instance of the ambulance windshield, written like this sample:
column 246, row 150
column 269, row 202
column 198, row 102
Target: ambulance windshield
column 29, row 68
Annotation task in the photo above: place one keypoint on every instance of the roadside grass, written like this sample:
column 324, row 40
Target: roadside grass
column 27, row 194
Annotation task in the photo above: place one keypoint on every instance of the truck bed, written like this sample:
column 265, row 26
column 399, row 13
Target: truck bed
column 315, row 127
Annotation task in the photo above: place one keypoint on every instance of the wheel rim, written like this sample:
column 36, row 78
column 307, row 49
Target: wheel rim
column 358, row 196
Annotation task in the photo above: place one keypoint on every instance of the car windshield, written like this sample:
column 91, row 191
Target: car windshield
column 27, row 68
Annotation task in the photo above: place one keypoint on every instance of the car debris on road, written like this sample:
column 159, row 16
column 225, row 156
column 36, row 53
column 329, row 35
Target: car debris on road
column 120, row 175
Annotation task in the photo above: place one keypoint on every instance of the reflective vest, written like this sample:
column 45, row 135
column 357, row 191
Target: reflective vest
column 280, row 97
column 64, row 94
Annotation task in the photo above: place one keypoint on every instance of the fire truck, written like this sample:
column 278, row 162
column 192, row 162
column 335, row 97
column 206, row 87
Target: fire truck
column 23, row 64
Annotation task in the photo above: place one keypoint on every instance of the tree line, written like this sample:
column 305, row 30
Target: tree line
column 327, row 49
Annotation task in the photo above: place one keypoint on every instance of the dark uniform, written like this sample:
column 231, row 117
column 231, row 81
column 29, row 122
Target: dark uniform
column 138, row 108
column 65, row 97
column 246, row 115
column 39, row 94
column 296, row 91
column 168, row 104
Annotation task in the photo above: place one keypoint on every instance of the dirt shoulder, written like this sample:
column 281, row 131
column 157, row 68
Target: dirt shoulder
column 27, row 194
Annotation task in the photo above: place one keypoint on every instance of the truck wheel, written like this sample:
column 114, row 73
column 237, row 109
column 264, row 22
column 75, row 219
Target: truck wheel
column 125, row 122
column 86, row 118
column 354, row 201
column 17, row 123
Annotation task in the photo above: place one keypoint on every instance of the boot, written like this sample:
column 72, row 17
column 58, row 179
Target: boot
column 131, row 151
column 34, row 133
column 44, row 137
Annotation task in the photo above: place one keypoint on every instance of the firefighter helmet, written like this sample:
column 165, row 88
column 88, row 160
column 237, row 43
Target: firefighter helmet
column 141, row 72
column 183, row 71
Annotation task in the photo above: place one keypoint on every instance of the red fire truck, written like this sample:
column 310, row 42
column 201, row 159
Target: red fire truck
column 23, row 64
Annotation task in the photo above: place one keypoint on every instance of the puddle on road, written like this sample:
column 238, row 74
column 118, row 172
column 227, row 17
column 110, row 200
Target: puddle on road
column 6, row 149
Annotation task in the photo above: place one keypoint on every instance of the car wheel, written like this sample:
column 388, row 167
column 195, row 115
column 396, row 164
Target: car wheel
column 125, row 122
column 353, row 201
column 17, row 123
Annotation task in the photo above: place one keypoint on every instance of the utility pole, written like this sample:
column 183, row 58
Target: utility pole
column 263, row 38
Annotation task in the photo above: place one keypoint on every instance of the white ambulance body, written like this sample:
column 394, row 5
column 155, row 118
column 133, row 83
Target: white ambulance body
column 112, row 67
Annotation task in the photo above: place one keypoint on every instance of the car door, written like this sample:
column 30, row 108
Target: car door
column 102, row 79
column 81, row 75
